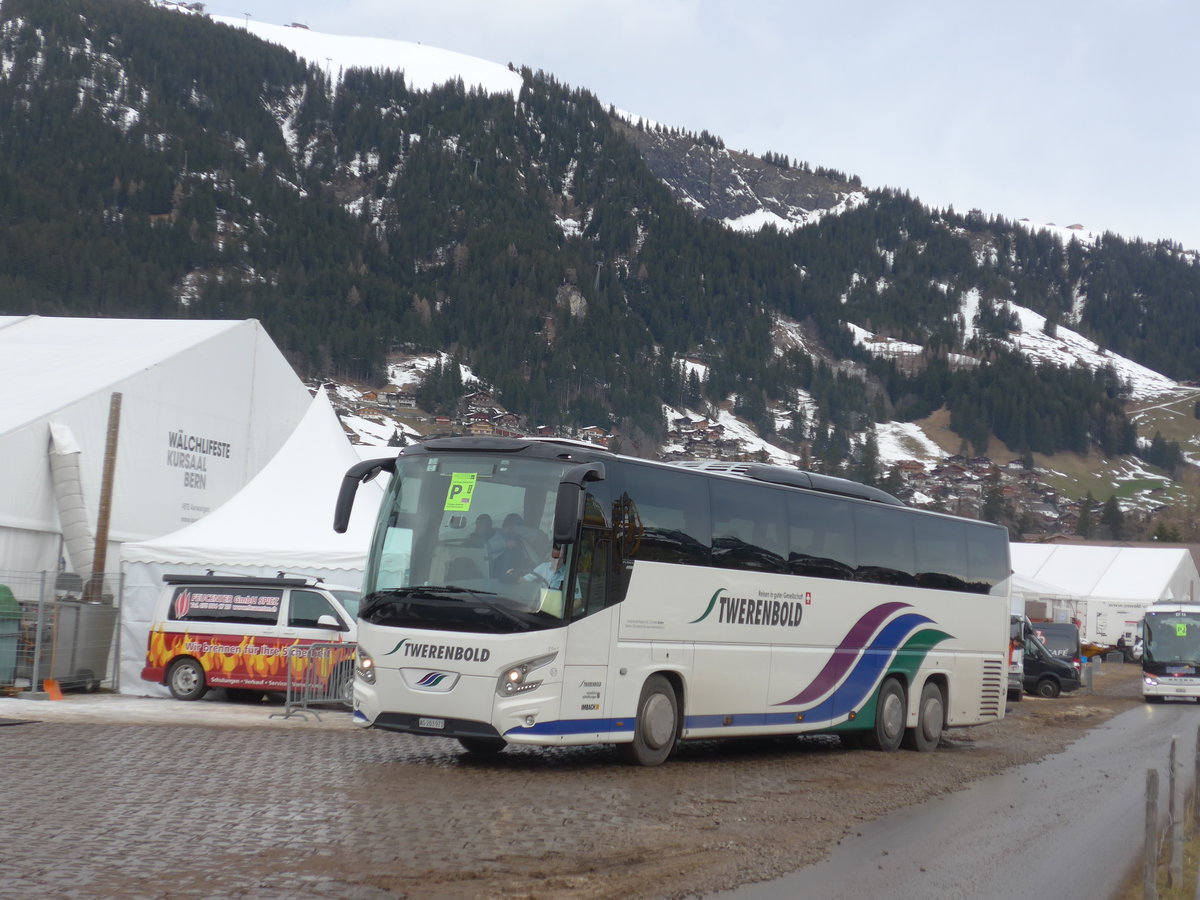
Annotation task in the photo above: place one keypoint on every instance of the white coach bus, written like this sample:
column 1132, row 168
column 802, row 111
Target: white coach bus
column 1171, row 651
column 546, row 592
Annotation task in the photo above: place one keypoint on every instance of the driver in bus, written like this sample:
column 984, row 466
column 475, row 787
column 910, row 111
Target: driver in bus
column 550, row 572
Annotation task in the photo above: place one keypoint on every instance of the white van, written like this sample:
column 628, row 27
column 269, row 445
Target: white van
column 242, row 632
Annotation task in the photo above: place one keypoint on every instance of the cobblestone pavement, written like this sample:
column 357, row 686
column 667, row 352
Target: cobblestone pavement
column 106, row 809
column 157, row 811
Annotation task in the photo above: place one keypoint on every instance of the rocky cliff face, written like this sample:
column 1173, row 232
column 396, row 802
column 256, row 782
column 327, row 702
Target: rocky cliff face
column 737, row 187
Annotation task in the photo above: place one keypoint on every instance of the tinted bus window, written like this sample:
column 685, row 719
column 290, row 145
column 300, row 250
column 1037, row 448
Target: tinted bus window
column 884, row 540
column 987, row 557
column 666, row 517
column 749, row 527
column 821, row 536
column 941, row 546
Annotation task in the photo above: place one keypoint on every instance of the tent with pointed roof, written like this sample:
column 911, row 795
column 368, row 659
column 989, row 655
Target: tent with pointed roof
column 280, row 522
column 203, row 405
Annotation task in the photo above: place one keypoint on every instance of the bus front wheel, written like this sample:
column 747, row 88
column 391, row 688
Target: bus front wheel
column 891, row 712
column 483, row 746
column 656, row 728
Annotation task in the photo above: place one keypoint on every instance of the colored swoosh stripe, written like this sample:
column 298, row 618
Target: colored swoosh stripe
column 846, row 654
column 861, row 682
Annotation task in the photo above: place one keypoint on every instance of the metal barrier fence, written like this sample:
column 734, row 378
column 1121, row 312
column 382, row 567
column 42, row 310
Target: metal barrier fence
column 319, row 674
column 58, row 632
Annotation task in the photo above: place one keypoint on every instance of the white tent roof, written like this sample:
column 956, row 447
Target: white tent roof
column 203, row 406
column 283, row 518
column 1143, row 574
column 50, row 362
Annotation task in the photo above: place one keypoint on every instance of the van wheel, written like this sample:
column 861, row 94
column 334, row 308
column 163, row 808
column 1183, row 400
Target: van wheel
column 657, row 726
column 1048, row 688
column 931, row 716
column 186, row 679
column 344, row 685
column 891, row 712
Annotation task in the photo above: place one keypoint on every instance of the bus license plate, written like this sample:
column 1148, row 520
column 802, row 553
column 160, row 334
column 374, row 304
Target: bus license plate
column 431, row 723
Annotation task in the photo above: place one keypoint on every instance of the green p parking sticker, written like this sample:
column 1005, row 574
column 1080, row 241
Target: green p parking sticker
column 462, row 487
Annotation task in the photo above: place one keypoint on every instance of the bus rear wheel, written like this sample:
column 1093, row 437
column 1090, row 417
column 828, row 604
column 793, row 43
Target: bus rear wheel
column 931, row 716
column 891, row 712
column 656, row 728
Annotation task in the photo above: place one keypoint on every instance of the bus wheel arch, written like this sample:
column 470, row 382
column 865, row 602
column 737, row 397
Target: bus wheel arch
column 931, row 718
column 185, row 679
column 657, row 726
column 891, row 716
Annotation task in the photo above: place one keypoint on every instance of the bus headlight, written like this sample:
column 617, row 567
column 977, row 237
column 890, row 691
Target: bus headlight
column 1150, row 680
column 365, row 668
column 516, row 679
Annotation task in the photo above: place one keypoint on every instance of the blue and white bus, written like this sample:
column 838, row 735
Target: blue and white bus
column 523, row 591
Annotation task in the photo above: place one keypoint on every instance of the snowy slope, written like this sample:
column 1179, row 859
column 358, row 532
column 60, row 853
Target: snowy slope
column 424, row 67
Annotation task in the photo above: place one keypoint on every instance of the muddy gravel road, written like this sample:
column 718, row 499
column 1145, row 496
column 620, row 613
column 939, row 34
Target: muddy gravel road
column 170, row 810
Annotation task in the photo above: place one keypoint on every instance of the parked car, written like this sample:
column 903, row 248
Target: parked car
column 1047, row 675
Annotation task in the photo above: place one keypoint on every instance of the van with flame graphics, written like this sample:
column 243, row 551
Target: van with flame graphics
column 245, row 633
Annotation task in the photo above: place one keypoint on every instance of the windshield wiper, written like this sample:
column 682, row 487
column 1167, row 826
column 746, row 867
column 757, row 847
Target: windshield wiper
column 375, row 601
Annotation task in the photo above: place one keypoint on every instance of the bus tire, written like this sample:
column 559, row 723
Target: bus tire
column 891, row 713
column 1153, row 698
column 185, row 679
column 931, row 717
column 656, row 728
column 483, row 746
column 1048, row 688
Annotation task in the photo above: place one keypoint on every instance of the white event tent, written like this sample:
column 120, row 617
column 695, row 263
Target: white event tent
column 281, row 521
column 203, row 405
column 1105, row 589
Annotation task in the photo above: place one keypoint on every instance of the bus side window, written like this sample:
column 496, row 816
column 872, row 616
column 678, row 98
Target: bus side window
column 884, row 538
column 941, row 553
column 820, row 537
column 749, row 524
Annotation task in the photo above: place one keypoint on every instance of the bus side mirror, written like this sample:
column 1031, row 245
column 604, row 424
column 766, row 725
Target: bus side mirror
column 568, row 507
column 359, row 473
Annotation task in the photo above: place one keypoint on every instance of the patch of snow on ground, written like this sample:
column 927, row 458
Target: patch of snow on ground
column 899, row 441
column 424, row 67
column 1068, row 347
column 736, row 429
column 759, row 219
column 409, row 374
column 884, row 346
column 1065, row 232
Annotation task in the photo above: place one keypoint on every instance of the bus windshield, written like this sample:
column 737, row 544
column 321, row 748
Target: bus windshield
column 463, row 544
column 1172, row 637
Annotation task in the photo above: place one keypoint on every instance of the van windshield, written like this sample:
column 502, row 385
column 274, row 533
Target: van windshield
column 349, row 601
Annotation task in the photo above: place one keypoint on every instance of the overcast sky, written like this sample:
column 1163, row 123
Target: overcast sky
column 1060, row 111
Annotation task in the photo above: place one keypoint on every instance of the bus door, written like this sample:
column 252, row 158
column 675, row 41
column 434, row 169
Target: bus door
column 591, row 634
